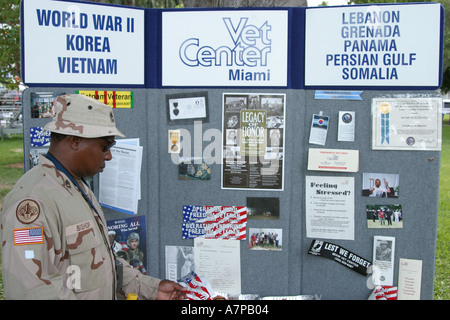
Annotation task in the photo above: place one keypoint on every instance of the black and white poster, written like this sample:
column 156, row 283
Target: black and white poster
column 253, row 141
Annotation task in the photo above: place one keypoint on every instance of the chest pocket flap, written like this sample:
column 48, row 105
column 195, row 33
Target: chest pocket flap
column 83, row 243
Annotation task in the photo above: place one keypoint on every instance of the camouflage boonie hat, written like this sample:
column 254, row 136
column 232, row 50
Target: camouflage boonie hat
column 82, row 116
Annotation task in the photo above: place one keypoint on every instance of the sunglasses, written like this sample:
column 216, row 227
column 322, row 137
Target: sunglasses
column 110, row 143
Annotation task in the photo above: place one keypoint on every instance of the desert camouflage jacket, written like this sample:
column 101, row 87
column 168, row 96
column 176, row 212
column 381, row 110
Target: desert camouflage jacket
column 54, row 245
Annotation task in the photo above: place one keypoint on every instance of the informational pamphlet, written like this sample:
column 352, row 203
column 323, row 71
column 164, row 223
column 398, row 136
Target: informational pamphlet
column 346, row 126
column 120, row 181
column 330, row 209
column 383, row 260
column 409, row 279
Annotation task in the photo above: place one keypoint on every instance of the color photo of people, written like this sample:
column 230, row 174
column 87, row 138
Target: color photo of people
column 384, row 216
column 265, row 239
column 381, row 185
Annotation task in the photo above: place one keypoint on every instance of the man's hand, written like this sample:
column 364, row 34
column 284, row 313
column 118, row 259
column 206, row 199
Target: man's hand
column 169, row 290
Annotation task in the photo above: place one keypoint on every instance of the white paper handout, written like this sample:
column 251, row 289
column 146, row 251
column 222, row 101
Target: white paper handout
column 409, row 279
column 346, row 128
column 383, row 260
column 330, row 207
column 219, row 261
column 120, row 182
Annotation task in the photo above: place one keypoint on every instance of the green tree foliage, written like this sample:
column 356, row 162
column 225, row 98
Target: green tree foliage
column 446, row 59
column 10, row 43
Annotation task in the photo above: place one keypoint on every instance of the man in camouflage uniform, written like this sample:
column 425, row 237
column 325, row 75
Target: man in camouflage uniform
column 53, row 232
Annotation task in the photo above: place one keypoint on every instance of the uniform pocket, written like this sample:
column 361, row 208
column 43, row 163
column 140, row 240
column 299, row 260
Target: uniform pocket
column 83, row 243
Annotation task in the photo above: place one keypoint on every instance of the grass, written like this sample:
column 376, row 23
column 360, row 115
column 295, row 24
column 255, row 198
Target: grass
column 11, row 154
column 11, row 169
column 442, row 273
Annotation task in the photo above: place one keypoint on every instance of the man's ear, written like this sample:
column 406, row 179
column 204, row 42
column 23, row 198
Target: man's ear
column 75, row 142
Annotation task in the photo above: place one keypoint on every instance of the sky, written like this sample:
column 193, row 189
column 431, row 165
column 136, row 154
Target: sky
column 313, row 3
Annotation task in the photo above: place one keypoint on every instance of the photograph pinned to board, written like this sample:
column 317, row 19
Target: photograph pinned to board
column 263, row 208
column 183, row 108
column 35, row 154
column 193, row 168
column 269, row 239
column 42, row 103
column 384, row 216
column 179, row 261
column 384, row 185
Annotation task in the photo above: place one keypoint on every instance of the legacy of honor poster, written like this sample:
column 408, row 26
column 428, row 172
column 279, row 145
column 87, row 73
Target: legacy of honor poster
column 253, row 141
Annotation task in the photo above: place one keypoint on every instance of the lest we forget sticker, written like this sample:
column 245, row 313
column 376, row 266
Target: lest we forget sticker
column 341, row 255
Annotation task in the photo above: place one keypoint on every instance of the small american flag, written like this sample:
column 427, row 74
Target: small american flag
column 198, row 288
column 28, row 236
column 385, row 293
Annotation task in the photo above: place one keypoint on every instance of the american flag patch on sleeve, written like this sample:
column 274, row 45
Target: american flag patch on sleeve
column 28, row 236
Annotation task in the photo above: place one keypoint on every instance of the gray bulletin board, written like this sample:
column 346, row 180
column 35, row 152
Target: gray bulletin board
column 383, row 51
column 291, row 271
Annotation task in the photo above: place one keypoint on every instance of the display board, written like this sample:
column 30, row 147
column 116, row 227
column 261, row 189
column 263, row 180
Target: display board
column 290, row 269
column 282, row 177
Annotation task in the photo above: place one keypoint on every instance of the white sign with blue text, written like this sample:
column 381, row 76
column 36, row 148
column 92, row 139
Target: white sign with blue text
column 225, row 48
column 72, row 42
column 373, row 46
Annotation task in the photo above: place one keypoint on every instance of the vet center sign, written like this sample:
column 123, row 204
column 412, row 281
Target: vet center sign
column 79, row 43
column 225, row 48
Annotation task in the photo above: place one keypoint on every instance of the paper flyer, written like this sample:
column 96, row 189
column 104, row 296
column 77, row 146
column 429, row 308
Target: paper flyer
column 383, row 260
column 346, row 126
column 330, row 211
column 409, row 279
column 219, row 261
column 214, row 222
column 120, row 181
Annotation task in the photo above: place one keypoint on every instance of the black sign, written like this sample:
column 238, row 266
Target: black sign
column 341, row 255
